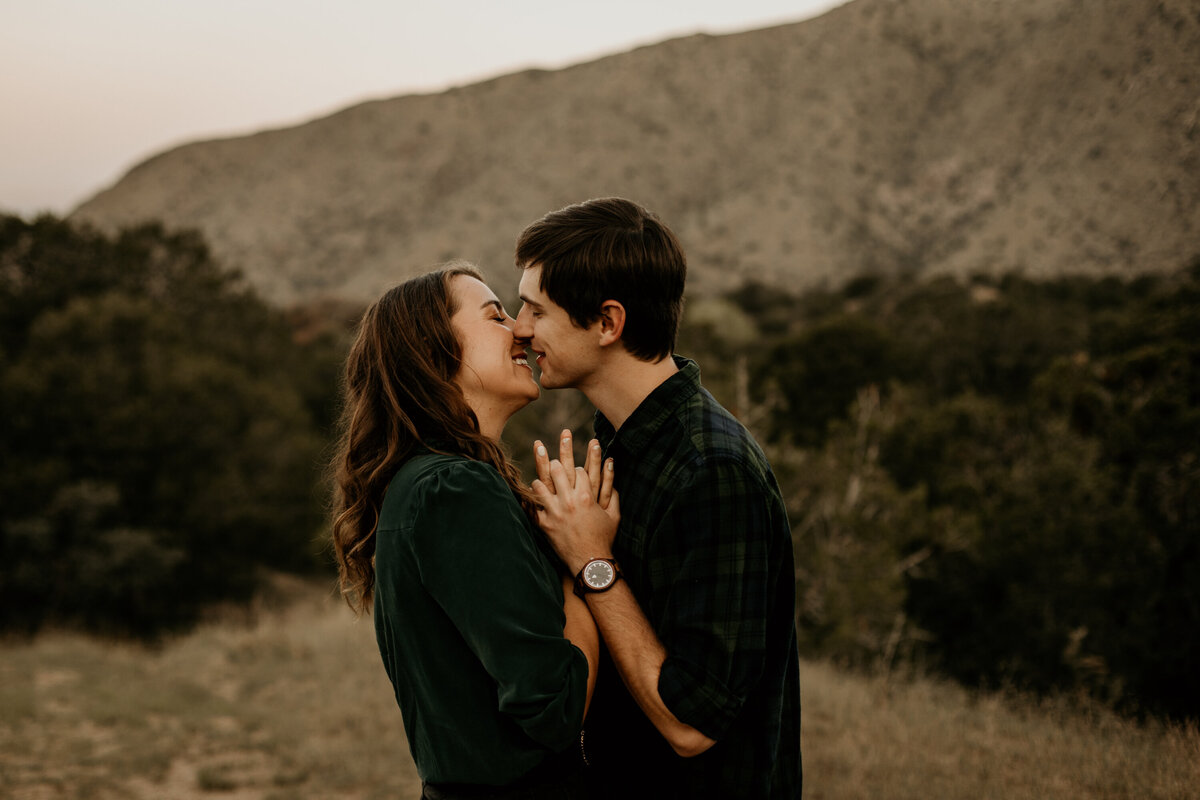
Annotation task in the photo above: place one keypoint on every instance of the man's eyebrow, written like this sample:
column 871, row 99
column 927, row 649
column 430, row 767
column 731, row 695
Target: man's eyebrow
column 529, row 302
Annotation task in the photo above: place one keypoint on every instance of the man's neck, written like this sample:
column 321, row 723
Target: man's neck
column 618, row 389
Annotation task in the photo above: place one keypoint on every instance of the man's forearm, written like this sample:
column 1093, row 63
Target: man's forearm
column 639, row 656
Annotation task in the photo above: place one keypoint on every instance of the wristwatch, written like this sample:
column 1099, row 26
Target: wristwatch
column 598, row 575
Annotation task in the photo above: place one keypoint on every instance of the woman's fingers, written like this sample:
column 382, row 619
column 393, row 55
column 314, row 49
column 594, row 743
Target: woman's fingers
column 541, row 458
column 559, row 475
column 606, row 484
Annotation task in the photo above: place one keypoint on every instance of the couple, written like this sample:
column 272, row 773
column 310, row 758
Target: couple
column 670, row 544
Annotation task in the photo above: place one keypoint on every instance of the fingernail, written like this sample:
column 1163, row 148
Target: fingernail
column 596, row 447
column 541, row 450
column 609, row 465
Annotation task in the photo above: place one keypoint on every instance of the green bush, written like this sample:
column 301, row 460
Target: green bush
column 999, row 478
column 158, row 454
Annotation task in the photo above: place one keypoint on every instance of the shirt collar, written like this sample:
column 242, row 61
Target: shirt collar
column 658, row 406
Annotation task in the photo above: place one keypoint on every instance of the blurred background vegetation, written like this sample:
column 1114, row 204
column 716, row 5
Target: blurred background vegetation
column 162, row 436
column 994, row 479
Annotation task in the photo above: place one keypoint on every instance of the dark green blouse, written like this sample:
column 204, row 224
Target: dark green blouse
column 469, row 620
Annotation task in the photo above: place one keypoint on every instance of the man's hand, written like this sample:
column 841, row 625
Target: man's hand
column 580, row 510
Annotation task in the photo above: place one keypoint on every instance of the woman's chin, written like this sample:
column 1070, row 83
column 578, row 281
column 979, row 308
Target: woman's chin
column 525, row 400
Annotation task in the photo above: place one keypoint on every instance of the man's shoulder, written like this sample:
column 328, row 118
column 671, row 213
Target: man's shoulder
column 717, row 437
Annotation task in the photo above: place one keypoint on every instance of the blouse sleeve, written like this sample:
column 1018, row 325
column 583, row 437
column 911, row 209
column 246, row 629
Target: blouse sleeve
column 478, row 560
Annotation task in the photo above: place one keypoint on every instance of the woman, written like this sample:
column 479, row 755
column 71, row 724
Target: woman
column 492, row 662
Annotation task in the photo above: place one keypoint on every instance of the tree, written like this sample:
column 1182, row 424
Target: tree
column 158, row 453
column 819, row 372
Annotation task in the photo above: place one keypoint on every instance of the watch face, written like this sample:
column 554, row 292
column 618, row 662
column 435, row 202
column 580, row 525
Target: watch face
column 598, row 574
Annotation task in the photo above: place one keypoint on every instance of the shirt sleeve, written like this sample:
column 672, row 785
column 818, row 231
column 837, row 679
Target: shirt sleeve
column 478, row 560
column 717, row 533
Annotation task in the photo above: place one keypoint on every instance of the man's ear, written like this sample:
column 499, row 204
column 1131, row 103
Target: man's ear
column 612, row 322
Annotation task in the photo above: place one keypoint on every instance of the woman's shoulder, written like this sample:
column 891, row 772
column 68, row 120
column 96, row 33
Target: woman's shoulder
column 442, row 482
column 446, row 471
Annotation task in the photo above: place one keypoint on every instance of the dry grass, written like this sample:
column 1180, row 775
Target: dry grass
column 293, row 702
column 864, row 738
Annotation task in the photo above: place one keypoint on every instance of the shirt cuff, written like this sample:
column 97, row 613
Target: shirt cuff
column 696, row 698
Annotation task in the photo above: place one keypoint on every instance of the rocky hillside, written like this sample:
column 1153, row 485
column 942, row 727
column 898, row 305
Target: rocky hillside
column 928, row 136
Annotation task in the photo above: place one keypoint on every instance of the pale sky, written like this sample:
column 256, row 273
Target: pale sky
column 89, row 88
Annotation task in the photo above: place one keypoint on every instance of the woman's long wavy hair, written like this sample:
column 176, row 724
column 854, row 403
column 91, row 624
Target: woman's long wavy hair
column 398, row 394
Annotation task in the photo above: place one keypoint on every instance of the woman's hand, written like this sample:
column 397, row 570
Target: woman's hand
column 599, row 475
column 579, row 507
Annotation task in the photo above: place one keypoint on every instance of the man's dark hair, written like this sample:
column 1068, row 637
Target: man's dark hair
column 611, row 249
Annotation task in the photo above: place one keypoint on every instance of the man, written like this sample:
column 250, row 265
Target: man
column 695, row 596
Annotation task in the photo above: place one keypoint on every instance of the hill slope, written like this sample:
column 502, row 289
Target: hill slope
column 1051, row 136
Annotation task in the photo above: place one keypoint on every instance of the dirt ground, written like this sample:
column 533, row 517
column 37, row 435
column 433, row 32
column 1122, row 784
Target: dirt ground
column 286, row 700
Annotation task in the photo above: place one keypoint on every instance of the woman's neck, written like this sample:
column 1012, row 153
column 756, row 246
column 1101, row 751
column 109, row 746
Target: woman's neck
column 492, row 419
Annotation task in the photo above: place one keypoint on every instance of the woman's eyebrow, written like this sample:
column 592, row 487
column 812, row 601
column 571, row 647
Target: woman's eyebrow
column 495, row 303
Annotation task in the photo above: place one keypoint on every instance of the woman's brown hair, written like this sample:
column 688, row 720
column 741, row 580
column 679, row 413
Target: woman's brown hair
column 398, row 395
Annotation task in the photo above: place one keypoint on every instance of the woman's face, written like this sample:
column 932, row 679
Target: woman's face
column 494, row 378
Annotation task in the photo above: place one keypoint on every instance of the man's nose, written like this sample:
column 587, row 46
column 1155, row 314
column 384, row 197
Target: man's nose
column 523, row 325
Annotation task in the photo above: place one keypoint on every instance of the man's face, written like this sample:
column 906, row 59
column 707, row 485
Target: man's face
column 566, row 353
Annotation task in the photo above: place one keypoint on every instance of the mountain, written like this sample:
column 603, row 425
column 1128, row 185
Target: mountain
column 919, row 136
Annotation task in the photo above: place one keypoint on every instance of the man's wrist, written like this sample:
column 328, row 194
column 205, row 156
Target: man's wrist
column 597, row 575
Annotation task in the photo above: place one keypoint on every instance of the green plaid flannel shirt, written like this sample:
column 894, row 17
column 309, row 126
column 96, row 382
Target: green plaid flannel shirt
column 705, row 544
